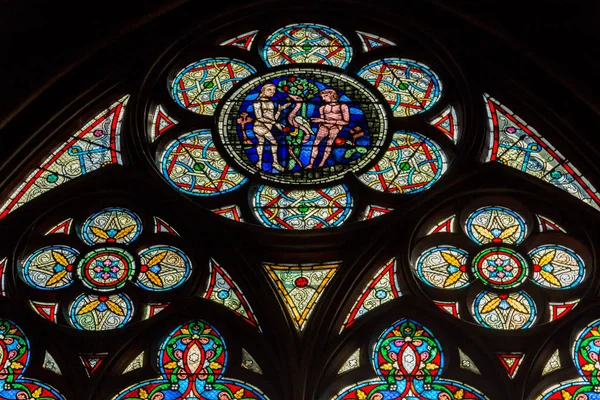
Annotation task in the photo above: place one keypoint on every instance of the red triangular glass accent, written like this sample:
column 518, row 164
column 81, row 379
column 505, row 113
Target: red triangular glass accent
column 560, row 310
column 511, row 362
column 243, row 41
column 160, row 226
column 449, row 306
column 91, row 362
column 62, row 227
column 46, row 310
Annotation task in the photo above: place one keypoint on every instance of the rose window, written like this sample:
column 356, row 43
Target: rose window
column 507, row 272
column 287, row 132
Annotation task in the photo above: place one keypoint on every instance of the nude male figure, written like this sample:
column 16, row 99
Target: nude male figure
column 333, row 116
column 266, row 118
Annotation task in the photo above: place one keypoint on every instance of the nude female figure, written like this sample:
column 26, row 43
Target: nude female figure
column 266, row 118
column 333, row 116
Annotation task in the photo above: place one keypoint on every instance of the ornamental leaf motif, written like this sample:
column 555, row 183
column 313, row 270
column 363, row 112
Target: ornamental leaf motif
column 157, row 259
column 450, row 259
column 124, row 232
column 547, row 258
column 154, row 278
column 59, row 258
column 99, row 232
column 492, row 305
column 56, row 277
column 89, row 307
column 114, row 307
column 452, row 279
column 483, row 231
column 550, row 277
column 508, row 231
column 517, row 305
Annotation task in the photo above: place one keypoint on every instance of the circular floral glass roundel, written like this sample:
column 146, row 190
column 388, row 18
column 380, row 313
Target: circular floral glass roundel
column 111, row 225
column 500, row 267
column 106, row 268
column 408, row 86
column 586, row 353
column 92, row 312
column 200, row 86
column 163, row 268
column 307, row 43
column 302, row 125
column 506, row 311
column 495, row 224
column 556, row 267
column 49, row 268
column 411, row 164
column 302, row 209
column 193, row 165
column 443, row 267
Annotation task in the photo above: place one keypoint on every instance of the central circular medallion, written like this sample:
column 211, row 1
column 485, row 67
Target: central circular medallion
column 500, row 267
column 106, row 268
column 302, row 125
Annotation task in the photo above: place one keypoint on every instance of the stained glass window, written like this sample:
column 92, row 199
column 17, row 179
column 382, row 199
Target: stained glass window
column 411, row 164
column 192, row 362
column 95, row 145
column 307, row 43
column 514, row 143
column 382, row 288
column 192, row 164
column 302, row 209
column 408, row 86
column 408, row 349
column 200, row 86
column 286, row 130
column 301, row 286
column 16, row 353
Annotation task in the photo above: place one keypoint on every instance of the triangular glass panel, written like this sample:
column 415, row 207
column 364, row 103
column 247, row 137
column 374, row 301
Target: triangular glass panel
column 243, row 41
column 50, row 364
column 514, row 143
column 552, row 364
column 301, row 286
column 250, row 363
column 63, row 227
column 223, row 290
column 447, row 122
column 95, row 145
column 351, row 363
column 161, row 122
column 370, row 41
column 136, row 363
column 382, row 288
column 467, row 363
column 160, row 226
column 92, row 361
column 511, row 362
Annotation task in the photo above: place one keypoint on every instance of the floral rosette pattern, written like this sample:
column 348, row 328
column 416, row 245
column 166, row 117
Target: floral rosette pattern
column 14, row 359
column 505, row 255
column 105, row 270
column 192, row 361
column 409, row 361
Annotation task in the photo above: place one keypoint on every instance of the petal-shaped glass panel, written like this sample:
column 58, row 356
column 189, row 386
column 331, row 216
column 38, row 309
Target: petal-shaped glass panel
column 556, row 267
column 49, row 268
column 411, row 164
column 192, row 164
column 443, row 267
column 307, row 44
column 495, row 224
column 409, row 87
column 200, row 86
column 111, row 225
column 163, row 268
column 302, row 208
column 506, row 311
column 92, row 312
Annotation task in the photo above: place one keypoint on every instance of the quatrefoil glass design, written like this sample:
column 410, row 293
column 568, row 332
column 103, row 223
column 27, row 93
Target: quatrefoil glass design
column 409, row 361
column 501, row 264
column 105, row 268
column 586, row 357
column 192, row 362
column 14, row 359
